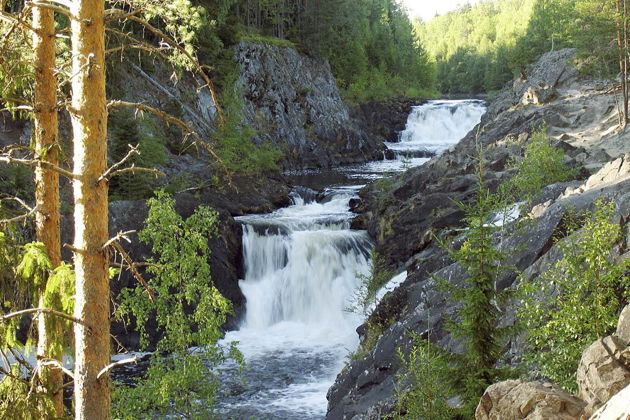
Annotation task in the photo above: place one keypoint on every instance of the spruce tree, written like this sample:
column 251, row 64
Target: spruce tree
column 479, row 299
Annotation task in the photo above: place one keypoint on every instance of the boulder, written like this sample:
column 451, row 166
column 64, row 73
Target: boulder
column 516, row 399
column 604, row 370
column 617, row 408
column 623, row 326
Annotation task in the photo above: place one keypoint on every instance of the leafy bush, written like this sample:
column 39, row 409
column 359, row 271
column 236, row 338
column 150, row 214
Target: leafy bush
column 577, row 300
column 423, row 388
column 189, row 312
column 542, row 164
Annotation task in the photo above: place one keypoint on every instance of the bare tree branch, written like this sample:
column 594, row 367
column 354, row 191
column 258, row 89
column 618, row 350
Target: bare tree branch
column 7, row 158
column 134, row 271
column 20, row 217
column 134, row 359
column 169, row 119
column 175, row 45
column 46, row 311
column 53, row 362
column 118, row 237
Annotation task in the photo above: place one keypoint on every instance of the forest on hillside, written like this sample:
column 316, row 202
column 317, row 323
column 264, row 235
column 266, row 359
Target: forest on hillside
column 479, row 48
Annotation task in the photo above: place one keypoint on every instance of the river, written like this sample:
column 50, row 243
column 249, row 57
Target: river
column 303, row 267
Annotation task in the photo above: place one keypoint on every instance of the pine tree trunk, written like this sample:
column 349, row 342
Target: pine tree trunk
column 47, row 186
column 89, row 124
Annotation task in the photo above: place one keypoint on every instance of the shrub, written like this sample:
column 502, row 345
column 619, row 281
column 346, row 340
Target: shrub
column 423, row 388
column 542, row 164
column 577, row 300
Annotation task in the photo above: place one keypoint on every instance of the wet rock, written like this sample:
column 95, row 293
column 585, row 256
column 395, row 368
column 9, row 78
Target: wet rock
column 527, row 400
column 603, row 371
column 387, row 119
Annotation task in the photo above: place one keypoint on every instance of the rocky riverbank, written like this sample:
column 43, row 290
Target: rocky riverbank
column 405, row 218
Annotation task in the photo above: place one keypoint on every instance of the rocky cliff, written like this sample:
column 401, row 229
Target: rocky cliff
column 292, row 101
column 404, row 221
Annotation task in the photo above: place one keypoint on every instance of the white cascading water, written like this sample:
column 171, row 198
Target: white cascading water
column 303, row 267
column 431, row 128
column 438, row 125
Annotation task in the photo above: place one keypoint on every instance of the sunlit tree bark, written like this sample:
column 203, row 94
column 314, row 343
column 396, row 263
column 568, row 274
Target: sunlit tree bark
column 89, row 123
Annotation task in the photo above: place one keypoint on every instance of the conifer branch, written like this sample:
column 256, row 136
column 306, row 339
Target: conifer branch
column 35, row 163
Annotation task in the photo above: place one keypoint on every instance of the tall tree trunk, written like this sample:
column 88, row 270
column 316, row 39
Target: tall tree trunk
column 89, row 124
column 47, row 188
column 622, row 30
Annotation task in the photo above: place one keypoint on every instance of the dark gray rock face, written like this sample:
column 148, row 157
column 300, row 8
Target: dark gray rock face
column 386, row 119
column 293, row 102
column 420, row 205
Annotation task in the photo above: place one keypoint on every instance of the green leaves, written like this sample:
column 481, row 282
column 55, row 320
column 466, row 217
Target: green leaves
column 188, row 313
column 542, row 164
column 577, row 300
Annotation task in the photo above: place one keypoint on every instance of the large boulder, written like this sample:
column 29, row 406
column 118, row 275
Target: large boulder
column 604, row 370
column 623, row 326
column 527, row 400
column 617, row 408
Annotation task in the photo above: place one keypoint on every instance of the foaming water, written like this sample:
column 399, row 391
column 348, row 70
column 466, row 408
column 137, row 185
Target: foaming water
column 302, row 268
column 437, row 125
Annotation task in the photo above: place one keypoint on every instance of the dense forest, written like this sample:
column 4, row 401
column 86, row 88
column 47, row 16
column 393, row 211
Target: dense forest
column 481, row 47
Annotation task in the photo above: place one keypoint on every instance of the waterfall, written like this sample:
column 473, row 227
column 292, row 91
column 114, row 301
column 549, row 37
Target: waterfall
column 303, row 266
column 302, row 269
column 437, row 125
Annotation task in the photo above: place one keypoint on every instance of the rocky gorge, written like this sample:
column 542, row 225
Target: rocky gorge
column 419, row 206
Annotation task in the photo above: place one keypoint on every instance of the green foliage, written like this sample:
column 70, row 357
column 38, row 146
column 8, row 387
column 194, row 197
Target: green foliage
column 577, row 300
column 480, row 300
column 126, row 130
column 423, row 388
column 542, row 164
column 188, row 311
column 59, row 295
column 35, row 265
column 269, row 40
column 371, row 46
column 234, row 143
column 20, row 400
column 379, row 275
column 17, row 180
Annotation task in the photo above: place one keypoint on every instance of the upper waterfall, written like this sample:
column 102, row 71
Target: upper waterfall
column 437, row 125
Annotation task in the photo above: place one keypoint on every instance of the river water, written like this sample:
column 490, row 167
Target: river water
column 303, row 267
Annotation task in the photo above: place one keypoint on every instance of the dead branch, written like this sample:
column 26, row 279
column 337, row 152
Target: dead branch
column 46, row 311
column 133, row 150
column 35, row 163
column 134, row 271
column 113, row 171
column 169, row 119
column 175, row 45
column 133, row 169
column 7, row 17
column 20, row 217
column 134, row 359
column 53, row 7
column 53, row 362
column 119, row 236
